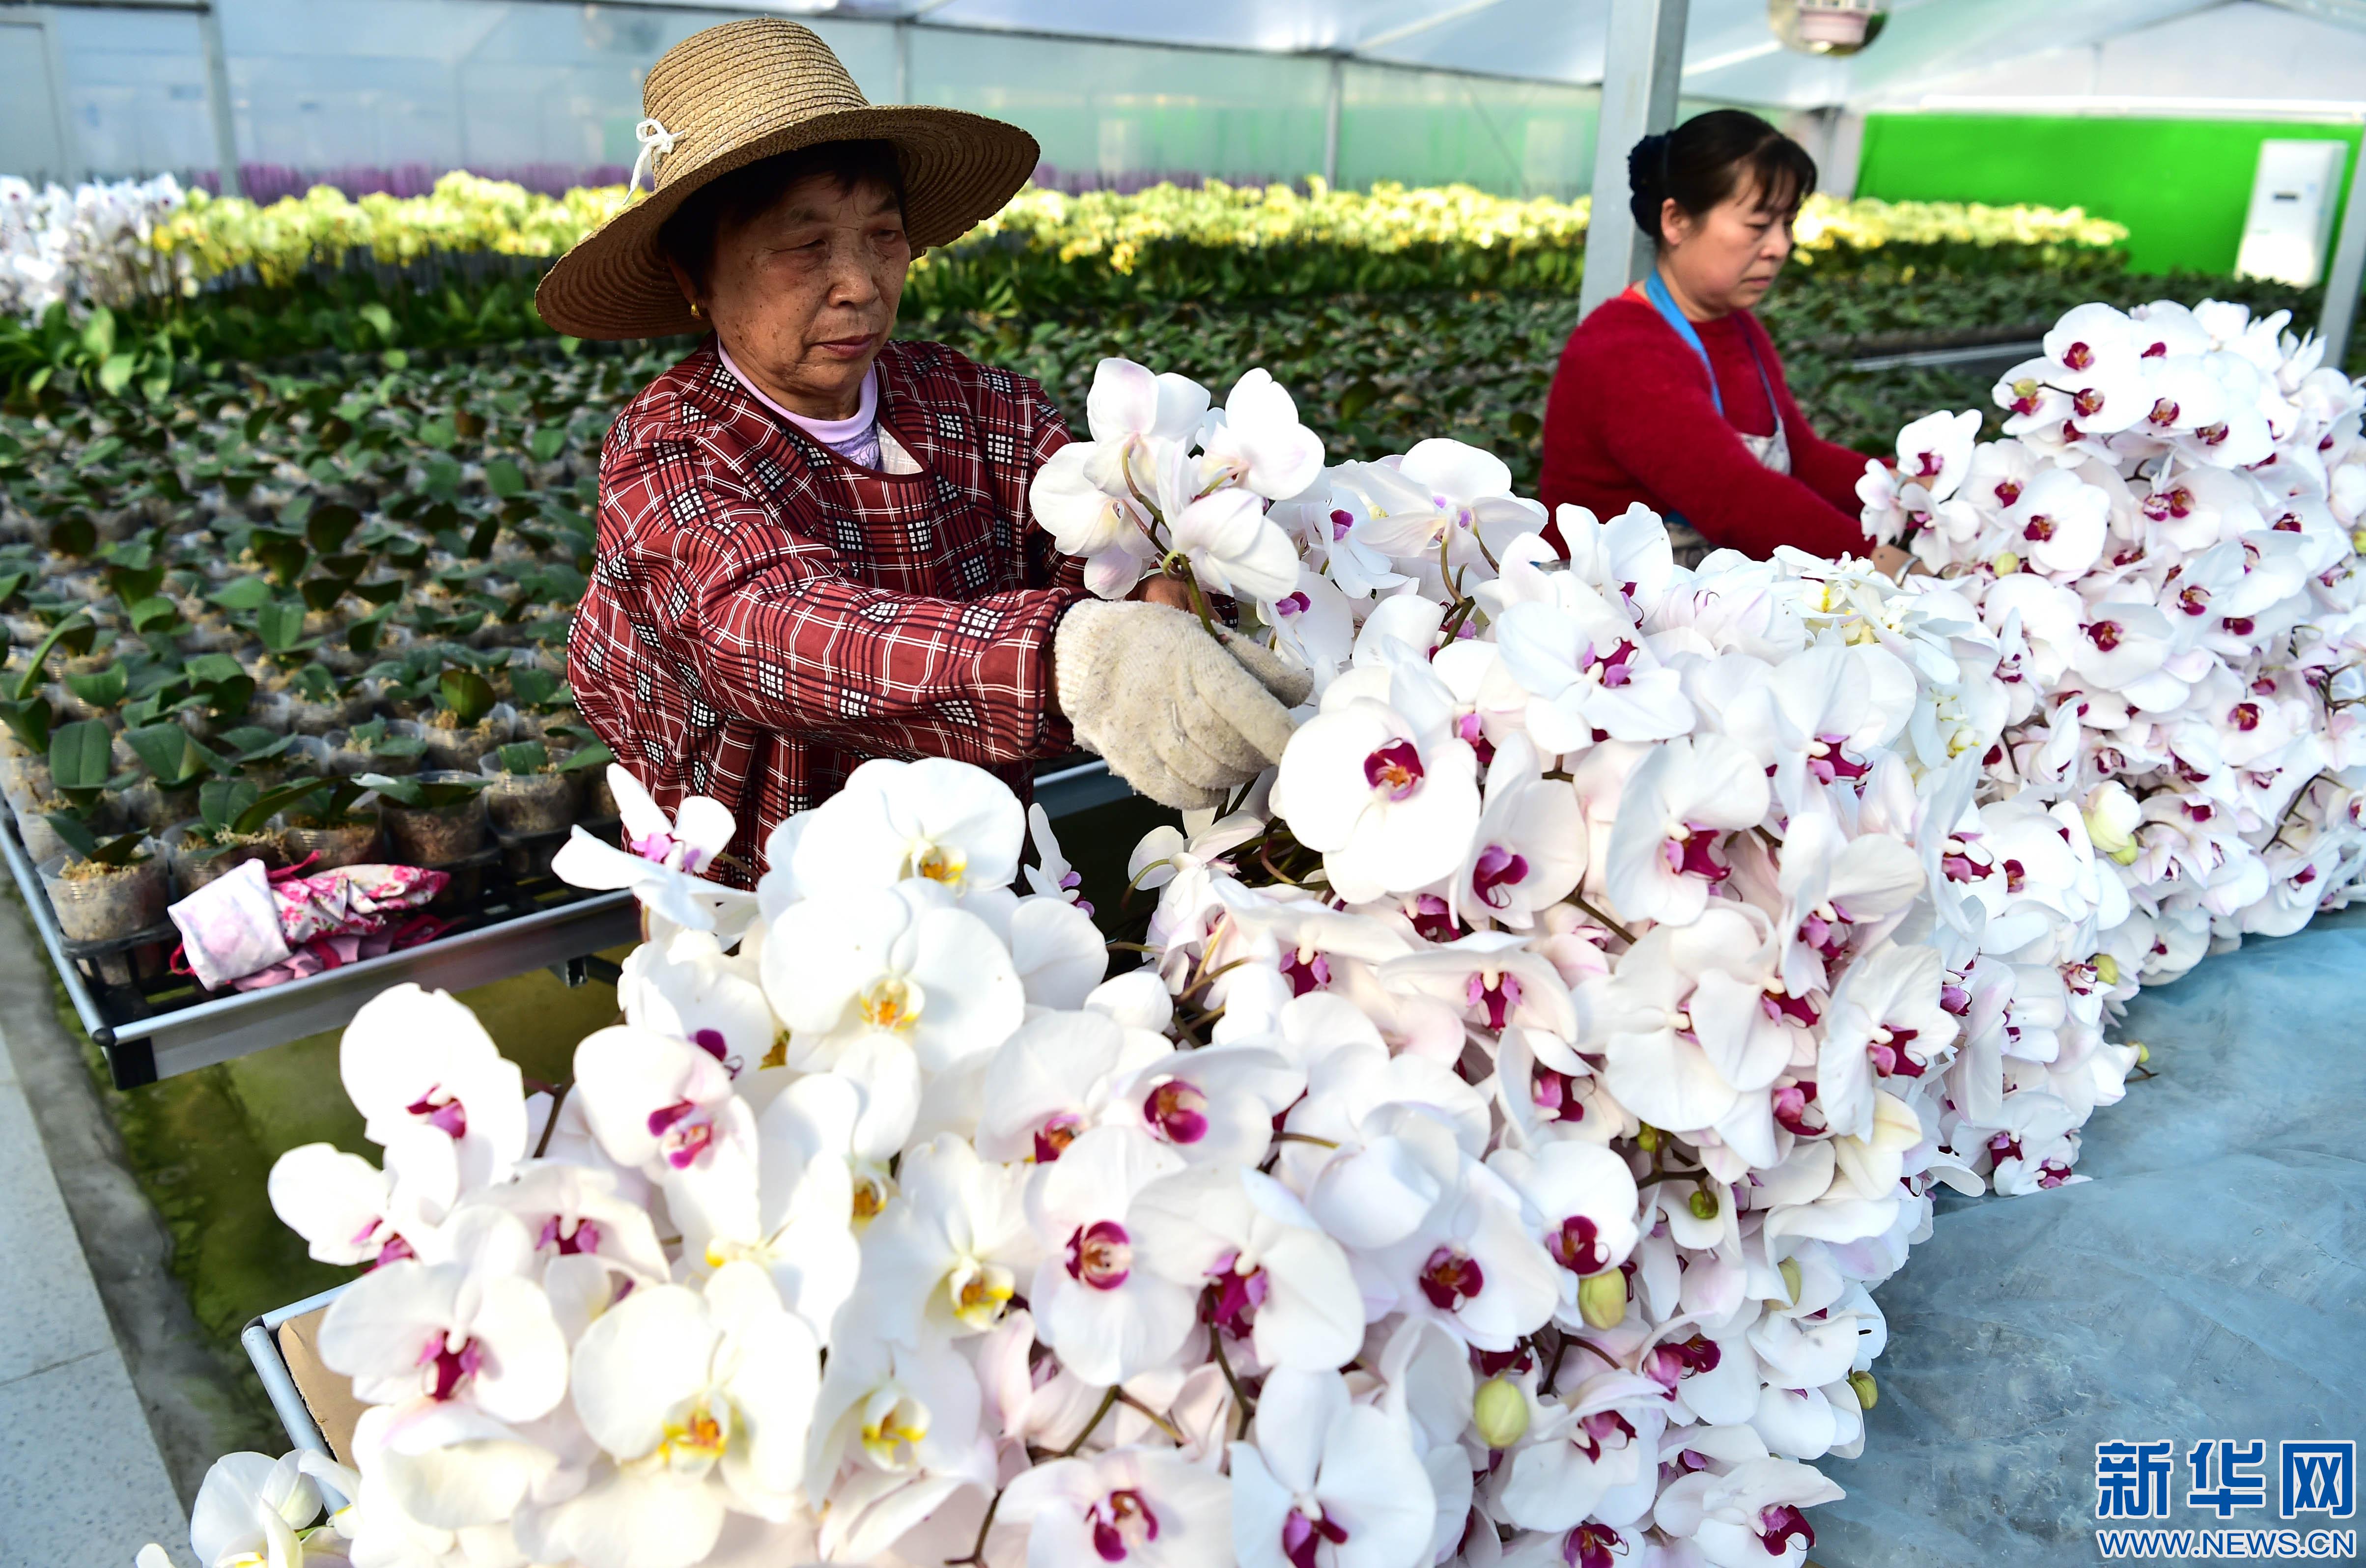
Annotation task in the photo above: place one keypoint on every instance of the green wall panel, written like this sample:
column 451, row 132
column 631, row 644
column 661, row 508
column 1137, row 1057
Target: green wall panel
column 2180, row 185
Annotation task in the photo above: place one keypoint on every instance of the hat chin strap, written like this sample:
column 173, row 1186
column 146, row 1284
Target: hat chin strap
column 656, row 142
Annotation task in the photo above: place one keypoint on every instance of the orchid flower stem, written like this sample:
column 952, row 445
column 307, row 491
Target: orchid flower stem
column 557, row 1098
column 1303, row 1138
column 1584, row 1343
column 1771, row 841
column 1265, row 859
column 1132, row 947
column 1173, row 1432
column 1604, row 921
column 1199, row 600
column 977, row 1553
column 1210, row 977
column 1108, row 1400
column 1242, row 1404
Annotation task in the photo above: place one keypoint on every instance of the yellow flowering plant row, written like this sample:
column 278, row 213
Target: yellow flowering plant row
column 1166, row 241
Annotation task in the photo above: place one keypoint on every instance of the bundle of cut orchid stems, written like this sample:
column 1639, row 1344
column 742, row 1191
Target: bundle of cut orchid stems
column 1522, row 1090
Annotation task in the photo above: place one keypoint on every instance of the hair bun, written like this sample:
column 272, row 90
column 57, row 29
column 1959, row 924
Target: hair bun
column 1647, row 181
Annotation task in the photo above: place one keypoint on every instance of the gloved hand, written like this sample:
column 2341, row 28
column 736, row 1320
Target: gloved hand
column 1179, row 716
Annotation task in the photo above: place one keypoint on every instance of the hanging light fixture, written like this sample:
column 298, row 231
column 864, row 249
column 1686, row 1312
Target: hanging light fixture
column 1832, row 27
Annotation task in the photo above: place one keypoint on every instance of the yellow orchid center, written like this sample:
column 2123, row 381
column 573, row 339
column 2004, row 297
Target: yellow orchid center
column 939, row 862
column 893, row 1427
column 870, row 1199
column 979, row 1292
column 778, row 1056
column 694, row 1442
column 888, row 1003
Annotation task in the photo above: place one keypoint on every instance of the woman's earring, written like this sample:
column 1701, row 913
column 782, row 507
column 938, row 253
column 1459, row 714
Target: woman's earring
column 696, row 314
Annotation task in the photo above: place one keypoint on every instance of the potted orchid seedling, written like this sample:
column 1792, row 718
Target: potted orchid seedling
column 432, row 818
column 232, row 827
column 530, row 791
column 330, row 826
column 1168, row 484
column 104, row 885
column 468, row 720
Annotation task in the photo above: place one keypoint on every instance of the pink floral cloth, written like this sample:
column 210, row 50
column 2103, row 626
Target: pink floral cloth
column 253, row 928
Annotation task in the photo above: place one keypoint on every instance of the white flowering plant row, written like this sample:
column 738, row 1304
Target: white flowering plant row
column 1525, row 1087
column 90, row 246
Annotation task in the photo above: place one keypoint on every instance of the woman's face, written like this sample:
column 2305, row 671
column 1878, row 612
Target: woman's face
column 1726, row 259
column 803, row 294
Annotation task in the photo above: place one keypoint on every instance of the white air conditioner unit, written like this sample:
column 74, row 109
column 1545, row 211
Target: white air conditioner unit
column 2291, row 224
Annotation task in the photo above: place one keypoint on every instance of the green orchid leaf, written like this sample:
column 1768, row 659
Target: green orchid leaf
column 468, row 694
column 82, row 756
column 524, row 757
column 246, row 594
column 76, row 835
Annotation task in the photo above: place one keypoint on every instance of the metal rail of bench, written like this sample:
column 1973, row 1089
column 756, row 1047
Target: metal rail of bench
column 563, row 937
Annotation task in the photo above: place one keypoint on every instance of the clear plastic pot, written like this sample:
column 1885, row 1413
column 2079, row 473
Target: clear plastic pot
column 465, row 749
column 192, row 866
column 157, row 809
column 346, row 760
column 436, row 836
column 104, row 903
column 528, row 803
column 349, row 843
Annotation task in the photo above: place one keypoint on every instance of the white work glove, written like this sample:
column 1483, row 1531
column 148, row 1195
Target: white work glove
column 1180, row 717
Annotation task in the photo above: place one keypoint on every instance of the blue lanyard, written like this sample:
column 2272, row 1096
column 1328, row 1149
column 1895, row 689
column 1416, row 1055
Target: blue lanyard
column 1656, row 291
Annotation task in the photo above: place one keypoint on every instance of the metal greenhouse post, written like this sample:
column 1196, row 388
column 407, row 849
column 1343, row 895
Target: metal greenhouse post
column 2348, row 262
column 1642, row 63
column 218, row 105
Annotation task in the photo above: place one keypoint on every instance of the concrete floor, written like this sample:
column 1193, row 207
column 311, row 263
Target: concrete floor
column 81, row 1477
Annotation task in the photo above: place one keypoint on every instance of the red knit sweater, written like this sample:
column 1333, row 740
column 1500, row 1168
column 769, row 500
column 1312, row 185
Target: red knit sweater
column 1630, row 418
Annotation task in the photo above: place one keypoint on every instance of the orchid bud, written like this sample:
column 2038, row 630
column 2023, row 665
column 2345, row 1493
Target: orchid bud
column 2106, row 968
column 1648, row 1140
column 1789, row 1268
column 2358, row 540
column 1501, row 1413
column 2006, row 564
column 1603, row 1299
column 1868, row 1394
column 1703, row 1204
column 2109, row 839
column 2143, row 1052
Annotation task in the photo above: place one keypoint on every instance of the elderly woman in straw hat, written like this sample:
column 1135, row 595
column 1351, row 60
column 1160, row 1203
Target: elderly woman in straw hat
column 815, row 546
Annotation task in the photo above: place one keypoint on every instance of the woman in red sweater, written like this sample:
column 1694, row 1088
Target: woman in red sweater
column 1672, row 394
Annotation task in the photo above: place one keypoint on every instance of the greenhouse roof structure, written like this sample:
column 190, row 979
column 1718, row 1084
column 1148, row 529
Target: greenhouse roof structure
column 2198, row 56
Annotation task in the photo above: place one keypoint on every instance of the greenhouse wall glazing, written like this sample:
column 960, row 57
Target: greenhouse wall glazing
column 387, row 93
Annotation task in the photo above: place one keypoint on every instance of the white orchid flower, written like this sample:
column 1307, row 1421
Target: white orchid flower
column 1279, row 1283
column 895, row 1434
column 1390, row 809
column 1680, row 800
column 898, row 963
column 253, row 1508
column 1106, row 1316
column 1258, row 443
column 417, row 1061
column 704, row 1399
column 941, row 821
column 474, row 1328
column 1326, row 1482
column 688, row 988
column 663, row 861
column 1133, row 1506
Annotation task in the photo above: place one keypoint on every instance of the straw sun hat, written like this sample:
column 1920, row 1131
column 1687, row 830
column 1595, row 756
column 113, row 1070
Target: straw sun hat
column 728, row 97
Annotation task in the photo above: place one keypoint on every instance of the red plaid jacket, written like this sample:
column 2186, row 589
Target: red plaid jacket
column 763, row 616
